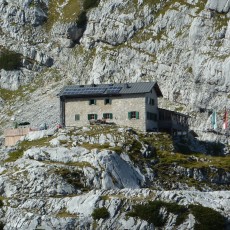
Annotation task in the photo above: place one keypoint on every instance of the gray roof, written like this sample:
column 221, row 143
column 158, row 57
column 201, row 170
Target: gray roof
column 110, row 89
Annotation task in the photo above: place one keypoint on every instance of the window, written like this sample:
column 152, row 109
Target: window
column 92, row 102
column 151, row 116
column 108, row 101
column 77, row 117
column 92, row 116
column 107, row 115
column 133, row 115
column 150, row 101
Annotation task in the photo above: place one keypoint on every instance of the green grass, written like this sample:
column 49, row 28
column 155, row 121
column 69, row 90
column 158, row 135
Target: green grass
column 179, row 109
column 63, row 13
column 100, row 213
column 64, row 214
column 73, row 11
column 95, row 146
column 13, row 156
column 25, row 145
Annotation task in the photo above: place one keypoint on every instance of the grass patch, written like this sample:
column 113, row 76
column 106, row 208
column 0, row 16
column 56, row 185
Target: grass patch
column 25, row 145
column 100, row 213
column 64, row 214
column 13, row 156
column 95, row 146
column 59, row 11
column 179, row 109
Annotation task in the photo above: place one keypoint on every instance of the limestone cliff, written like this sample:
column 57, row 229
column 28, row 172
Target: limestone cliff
column 111, row 178
column 184, row 45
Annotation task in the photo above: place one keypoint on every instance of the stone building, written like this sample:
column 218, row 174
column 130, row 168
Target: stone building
column 125, row 104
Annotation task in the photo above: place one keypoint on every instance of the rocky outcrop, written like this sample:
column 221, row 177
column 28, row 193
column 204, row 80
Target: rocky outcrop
column 219, row 6
column 123, row 41
column 56, row 180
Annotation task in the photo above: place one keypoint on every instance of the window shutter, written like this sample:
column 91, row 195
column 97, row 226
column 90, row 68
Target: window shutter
column 110, row 101
column 94, row 102
column 129, row 115
column 77, row 117
column 137, row 115
column 88, row 116
column 111, row 116
column 95, row 116
column 103, row 115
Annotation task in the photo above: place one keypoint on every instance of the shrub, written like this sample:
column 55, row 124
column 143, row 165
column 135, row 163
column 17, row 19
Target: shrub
column 10, row 60
column 88, row 4
column 1, row 226
column 100, row 213
column 151, row 212
column 82, row 19
column 207, row 218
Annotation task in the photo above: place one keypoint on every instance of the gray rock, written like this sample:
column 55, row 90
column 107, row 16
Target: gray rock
column 221, row 6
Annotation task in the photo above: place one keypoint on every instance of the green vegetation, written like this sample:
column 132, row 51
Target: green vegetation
column 151, row 212
column 100, row 213
column 1, row 226
column 206, row 218
column 95, row 146
column 220, row 20
column 64, row 214
column 73, row 10
column 58, row 11
column 1, row 201
column 87, row 5
column 24, row 145
column 10, row 60
column 179, row 109
column 13, row 156
column 72, row 177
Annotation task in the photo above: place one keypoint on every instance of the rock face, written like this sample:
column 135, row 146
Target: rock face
column 58, row 180
column 183, row 45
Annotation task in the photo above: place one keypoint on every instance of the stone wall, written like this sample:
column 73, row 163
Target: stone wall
column 151, row 124
column 119, row 107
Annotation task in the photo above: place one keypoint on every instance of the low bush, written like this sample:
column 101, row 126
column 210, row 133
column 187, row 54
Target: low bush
column 207, row 218
column 100, row 213
column 88, row 4
column 10, row 60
